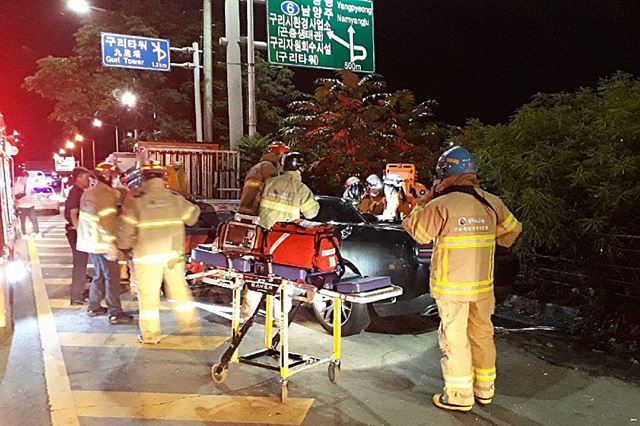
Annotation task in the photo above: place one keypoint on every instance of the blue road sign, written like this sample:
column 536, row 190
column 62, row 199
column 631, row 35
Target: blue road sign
column 143, row 53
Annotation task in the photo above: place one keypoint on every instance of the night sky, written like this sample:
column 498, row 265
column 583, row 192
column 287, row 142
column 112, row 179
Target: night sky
column 480, row 59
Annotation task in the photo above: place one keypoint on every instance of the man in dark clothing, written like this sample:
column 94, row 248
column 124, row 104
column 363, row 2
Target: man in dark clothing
column 81, row 181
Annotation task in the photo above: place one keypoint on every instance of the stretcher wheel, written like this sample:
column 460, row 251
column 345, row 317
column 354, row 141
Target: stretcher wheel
column 219, row 373
column 284, row 388
column 334, row 372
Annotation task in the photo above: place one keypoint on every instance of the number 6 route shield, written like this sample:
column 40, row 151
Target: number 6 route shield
column 126, row 51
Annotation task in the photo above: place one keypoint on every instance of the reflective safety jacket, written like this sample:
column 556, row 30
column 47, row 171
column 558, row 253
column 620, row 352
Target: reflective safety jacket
column 285, row 198
column 152, row 223
column 254, row 183
column 372, row 204
column 465, row 233
column 97, row 219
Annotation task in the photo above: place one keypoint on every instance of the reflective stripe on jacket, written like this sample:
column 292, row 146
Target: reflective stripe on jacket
column 97, row 219
column 152, row 223
column 285, row 198
column 254, row 183
column 465, row 233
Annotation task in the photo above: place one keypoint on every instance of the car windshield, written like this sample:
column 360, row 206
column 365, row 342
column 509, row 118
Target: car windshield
column 336, row 210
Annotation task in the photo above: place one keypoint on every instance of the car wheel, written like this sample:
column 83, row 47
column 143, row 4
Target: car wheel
column 355, row 316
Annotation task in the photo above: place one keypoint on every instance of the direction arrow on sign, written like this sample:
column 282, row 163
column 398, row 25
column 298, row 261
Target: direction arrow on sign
column 329, row 34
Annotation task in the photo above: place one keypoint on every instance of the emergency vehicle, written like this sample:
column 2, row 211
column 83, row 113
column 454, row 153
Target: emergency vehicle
column 7, row 221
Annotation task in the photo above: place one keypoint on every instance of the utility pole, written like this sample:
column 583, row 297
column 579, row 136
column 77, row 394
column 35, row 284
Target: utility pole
column 196, row 90
column 251, row 72
column 234, row 72
column 207, row 60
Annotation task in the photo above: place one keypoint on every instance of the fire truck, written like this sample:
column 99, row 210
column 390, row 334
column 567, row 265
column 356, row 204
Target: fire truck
column 7, row 221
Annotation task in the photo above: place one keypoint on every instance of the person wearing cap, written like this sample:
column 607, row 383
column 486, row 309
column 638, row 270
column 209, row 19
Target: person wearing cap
column 151, row 229
column 465, row 223
column 96, row 236
column 268, row 167
column 81, row 181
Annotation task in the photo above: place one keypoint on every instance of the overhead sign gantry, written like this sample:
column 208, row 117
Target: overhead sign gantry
column 328, row 34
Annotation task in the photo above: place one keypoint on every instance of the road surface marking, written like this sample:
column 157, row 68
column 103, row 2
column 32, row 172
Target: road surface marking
column 104, row 340
column 57, row 281
column 61, row 265
column 62, row 406
column 201, row 408
column 129, row 305
column 44, row 244
column 56, row 255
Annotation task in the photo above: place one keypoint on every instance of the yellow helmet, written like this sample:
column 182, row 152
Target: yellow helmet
column 153, row 169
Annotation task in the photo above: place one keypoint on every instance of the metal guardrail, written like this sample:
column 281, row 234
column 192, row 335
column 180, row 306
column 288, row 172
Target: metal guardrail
column 209, row 172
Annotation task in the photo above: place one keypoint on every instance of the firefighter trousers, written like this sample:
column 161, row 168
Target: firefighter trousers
column 149, row 278
column 468, row 359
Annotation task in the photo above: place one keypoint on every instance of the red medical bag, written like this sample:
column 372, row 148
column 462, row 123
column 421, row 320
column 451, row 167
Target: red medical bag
column 304, row 244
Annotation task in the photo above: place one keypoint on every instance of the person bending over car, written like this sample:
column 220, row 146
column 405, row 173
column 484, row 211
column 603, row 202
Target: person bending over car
column 466, row 224
column 284, row 198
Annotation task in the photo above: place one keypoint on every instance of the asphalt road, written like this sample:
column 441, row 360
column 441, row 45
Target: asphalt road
column 61, row 367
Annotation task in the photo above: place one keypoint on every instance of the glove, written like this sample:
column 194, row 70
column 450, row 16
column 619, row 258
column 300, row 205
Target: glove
column 112, row 254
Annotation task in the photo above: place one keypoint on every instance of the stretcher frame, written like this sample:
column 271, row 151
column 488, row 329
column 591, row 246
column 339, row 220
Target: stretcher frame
column 274, row 287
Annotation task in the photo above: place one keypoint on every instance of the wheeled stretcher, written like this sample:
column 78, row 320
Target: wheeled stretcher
column 278, row 282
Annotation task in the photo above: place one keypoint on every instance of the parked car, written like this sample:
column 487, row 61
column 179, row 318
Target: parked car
column 46, row 199
column 383, row 248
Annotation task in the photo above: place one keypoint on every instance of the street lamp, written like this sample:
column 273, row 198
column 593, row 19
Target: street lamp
column 69, row 144
column 79, row 6
column 99, row 123
column 79, row 138
column 129, row 99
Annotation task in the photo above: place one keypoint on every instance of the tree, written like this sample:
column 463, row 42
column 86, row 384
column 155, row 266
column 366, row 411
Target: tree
column 352, row 126
column 569, row 165
column 81, row 87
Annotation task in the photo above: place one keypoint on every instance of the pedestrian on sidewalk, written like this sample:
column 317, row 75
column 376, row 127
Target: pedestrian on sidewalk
column 151, row 230
column 81, row 180
column 96, row 236
column 26, row 206
column 466, row 224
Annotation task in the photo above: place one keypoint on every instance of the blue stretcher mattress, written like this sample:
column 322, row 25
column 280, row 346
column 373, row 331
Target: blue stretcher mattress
column 325, row 280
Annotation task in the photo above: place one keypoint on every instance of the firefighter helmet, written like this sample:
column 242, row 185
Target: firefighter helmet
column 355, row 191
column 374, row 182
column 351, row 180
column 278, row 147
column 293, row 161
column 105, row 172
column 456, row 161
column 152, row 169
column 394, row 180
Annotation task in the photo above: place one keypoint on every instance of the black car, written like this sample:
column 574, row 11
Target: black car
column 383, row 248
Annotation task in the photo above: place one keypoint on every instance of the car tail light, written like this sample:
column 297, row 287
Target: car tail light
column 424, row 252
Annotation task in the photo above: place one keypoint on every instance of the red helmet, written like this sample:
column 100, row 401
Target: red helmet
column 278, row 147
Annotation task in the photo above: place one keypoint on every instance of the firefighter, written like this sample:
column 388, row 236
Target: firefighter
column 396, row 203
column 96, row 236
column 284, row 198
column 466, row 223
column 373, row 201
column 268, row 167
column 151, row 230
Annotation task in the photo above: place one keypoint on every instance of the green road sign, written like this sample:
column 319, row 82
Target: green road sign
column 329, row 34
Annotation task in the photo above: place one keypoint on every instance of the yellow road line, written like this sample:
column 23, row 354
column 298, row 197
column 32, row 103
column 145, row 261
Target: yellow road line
column 202, row 408
column 104, row 340
column 130, row 305
column 63, row 409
